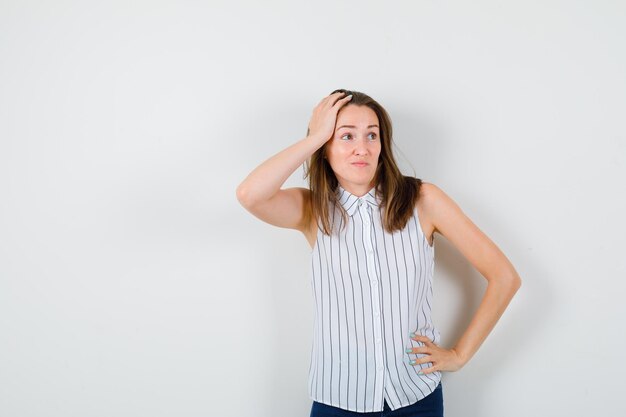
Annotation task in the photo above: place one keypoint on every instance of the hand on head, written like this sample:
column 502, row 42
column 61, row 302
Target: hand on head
column 324, row 118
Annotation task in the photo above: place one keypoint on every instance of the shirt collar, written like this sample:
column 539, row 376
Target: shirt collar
column 351, row 202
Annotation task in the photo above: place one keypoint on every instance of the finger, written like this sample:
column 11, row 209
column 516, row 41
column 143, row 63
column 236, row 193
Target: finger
column 323, row 100
column 426, row 340
column 429, row 370
column 420, row 349
column 344, row 99
column 329, row 98
column 337, row 100
column 333, row 96
column 421, row 361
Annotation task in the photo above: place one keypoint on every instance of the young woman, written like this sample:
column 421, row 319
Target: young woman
column 375, row 348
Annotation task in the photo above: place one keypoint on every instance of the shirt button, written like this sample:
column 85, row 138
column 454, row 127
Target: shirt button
column 380, row 369
column 378, row 340
column 374, row 282
column 376, row 314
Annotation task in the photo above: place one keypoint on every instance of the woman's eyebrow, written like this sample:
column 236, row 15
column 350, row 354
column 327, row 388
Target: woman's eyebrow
column 355, row 126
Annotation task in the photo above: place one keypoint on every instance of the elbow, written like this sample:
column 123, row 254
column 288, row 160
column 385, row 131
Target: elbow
column 515, row 282
column 247, row 196
column 509, row 282
column 243, row 195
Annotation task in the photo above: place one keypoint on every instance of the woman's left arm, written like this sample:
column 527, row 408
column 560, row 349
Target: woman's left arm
column 503, row 281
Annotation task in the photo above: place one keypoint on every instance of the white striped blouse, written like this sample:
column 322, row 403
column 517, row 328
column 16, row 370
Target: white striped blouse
column 371, row 290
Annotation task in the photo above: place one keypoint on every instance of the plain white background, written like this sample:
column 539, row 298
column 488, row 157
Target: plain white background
column 131, row 281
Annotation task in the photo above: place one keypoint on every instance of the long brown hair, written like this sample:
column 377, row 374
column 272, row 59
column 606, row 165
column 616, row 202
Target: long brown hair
column 398, row 192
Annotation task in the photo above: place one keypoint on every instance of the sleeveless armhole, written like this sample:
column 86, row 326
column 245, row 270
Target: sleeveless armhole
column 318, row 231
column 318, row 228
column 310, row 219
column 317, row 237
column 419, row 225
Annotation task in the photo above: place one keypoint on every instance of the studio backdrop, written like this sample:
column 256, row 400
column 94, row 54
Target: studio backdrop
column 132, row 283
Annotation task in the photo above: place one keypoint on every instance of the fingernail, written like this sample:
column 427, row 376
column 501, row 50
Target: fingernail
column 409, row 350
column 412, row 334
column 420, row 373
column 413, row 363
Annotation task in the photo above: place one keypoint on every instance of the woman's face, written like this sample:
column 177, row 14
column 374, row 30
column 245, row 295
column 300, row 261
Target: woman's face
column 354, row 149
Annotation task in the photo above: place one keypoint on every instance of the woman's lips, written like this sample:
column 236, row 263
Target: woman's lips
column 360, row 164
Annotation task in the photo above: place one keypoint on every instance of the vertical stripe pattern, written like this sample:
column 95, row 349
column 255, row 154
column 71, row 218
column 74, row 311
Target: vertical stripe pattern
column 371, row 289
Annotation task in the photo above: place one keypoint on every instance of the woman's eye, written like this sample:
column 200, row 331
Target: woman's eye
column 371, row 136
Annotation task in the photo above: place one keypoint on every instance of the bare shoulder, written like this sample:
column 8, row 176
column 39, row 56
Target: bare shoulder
column 444, row 216
column 433, row 204
column 430, row 195
column 305, row 221
column 424, row 208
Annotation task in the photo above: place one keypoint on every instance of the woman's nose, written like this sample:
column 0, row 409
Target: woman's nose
column 360, row 148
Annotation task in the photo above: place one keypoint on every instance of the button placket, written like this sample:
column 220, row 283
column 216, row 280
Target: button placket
column 366, row 210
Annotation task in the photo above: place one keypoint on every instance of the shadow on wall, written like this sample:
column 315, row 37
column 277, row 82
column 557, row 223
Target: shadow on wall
column 500, row 349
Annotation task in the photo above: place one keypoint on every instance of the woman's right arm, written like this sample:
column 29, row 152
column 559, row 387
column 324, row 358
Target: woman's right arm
column 260, row 192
